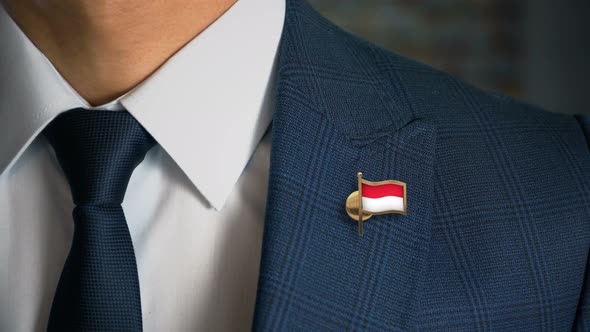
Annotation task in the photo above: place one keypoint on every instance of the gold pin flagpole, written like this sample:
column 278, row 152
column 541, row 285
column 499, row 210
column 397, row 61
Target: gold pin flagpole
column 360, row 183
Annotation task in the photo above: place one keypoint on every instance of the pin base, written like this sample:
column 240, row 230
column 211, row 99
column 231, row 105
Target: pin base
column 352, row 207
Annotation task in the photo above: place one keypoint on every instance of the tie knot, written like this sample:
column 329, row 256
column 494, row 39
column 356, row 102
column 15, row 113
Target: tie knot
column 98, row 151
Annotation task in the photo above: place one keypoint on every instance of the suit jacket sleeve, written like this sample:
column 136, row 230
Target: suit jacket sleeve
column 582, row 322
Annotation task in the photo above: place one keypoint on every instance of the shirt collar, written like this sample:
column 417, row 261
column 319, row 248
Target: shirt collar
column 208, row 106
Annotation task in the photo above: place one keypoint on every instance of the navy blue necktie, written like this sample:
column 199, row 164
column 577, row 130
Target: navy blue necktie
column 99, row 288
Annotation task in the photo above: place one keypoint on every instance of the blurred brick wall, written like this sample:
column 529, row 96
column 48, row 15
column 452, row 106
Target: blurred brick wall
column 478, row 40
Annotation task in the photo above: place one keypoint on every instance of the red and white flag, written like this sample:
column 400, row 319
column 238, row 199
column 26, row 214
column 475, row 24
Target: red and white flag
column 383, row 197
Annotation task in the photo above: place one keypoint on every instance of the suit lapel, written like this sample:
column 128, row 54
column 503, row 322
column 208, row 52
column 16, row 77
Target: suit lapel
column 331, row 122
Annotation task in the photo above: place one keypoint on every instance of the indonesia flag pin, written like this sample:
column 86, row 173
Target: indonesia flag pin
column 376, row 198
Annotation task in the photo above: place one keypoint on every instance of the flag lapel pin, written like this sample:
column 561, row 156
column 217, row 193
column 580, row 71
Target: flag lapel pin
column 374, row 198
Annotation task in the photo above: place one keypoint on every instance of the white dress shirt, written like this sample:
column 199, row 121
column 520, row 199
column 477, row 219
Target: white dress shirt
column 195, row 206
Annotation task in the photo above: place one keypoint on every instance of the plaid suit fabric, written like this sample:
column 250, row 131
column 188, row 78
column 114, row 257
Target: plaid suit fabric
column 498, row 226
column 583, row 315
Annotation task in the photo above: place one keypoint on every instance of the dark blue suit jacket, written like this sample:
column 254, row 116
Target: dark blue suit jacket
column 497, row 232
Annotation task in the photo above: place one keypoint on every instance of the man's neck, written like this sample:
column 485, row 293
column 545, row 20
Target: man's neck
column 105, row 48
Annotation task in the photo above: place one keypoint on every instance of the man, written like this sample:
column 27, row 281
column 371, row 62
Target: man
column 495, row 235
